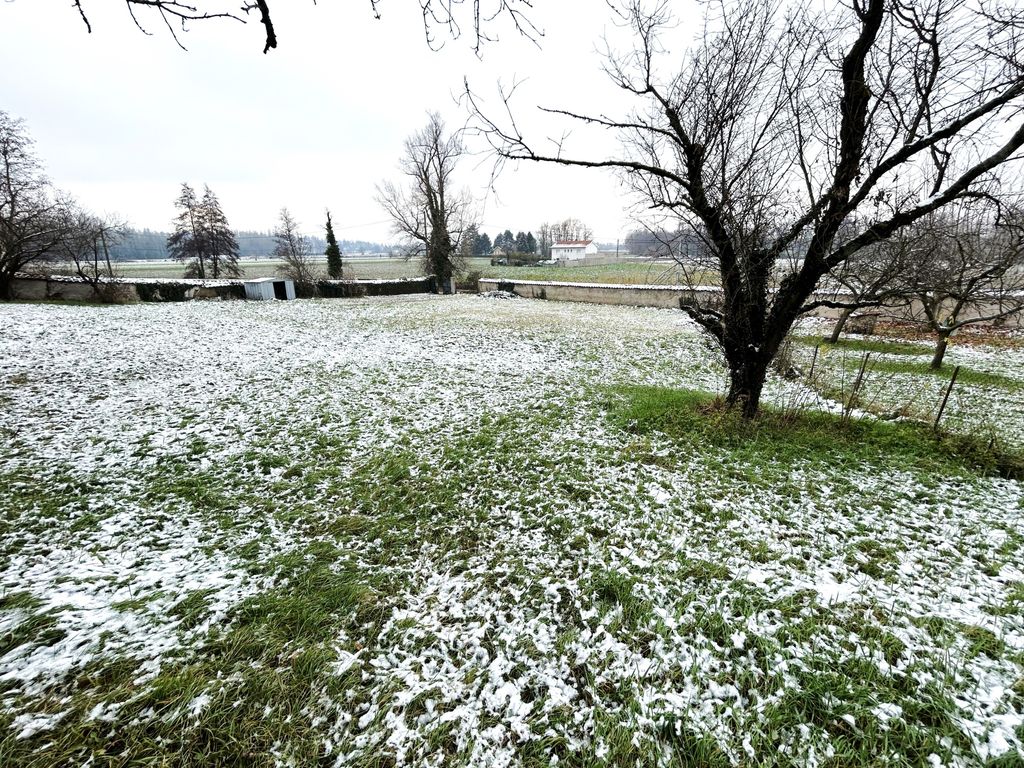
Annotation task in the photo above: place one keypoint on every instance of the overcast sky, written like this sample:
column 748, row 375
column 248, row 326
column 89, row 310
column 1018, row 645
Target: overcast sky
column 121, row 119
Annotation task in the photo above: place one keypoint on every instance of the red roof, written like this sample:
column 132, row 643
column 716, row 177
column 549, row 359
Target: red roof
column 572, row 242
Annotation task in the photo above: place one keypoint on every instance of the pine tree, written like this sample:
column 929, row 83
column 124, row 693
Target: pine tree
column 521, row 244
column 467, row 243
column 483, row 245
column 333, row 253
column 186, row 243
column 531, row 243
column 220, row 242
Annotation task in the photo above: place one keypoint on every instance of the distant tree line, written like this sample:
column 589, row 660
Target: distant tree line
column 144, row 244
column 679, row 244
column 478, row 243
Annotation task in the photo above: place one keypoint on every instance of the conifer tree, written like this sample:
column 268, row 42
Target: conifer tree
column 220, row 241
column 333, row 253
column 186, row 243
column 521, row 244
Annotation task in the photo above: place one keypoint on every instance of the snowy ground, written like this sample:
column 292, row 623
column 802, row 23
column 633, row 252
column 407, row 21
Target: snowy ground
column 411, row 532
column 986, row 402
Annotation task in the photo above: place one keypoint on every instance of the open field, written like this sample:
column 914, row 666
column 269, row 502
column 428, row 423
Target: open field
column 479, row 532
column 381, row 268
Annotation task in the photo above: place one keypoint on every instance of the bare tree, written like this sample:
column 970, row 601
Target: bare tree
column 292, row 248
column 570, row 230
column 86, row 247
column 545, row 239
column 966, row 267
column 780, row 125
column 429, row 212
column 444, row 15
column 33, row 219
column 872, row 277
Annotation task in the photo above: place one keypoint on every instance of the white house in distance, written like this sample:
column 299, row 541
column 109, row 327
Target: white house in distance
column 572, row 250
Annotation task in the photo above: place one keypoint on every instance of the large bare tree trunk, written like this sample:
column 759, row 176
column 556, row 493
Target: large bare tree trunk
column 746, row 380
column 6, row 286
column 748, row 352
column 940, row 351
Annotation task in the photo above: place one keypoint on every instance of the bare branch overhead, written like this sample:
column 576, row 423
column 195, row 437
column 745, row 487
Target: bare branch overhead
column 447, row 15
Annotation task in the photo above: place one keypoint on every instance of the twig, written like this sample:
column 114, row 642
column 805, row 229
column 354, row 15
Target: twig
column 856, row 387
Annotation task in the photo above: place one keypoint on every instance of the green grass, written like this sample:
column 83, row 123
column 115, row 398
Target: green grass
column 626, row 272
column 880, row 346
column 910, row 367
column 966, row 375
column 35, row 626
column 274, row 654
column 775, row 438
column 614, row 591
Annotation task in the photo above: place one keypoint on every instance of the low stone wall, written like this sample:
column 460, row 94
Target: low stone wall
column 130, row 290
column 671, row 296
column 343, row 289
column 123, row 290
column 667, row 296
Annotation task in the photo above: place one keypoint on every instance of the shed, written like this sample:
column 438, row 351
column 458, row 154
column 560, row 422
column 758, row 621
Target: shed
column 269, row 288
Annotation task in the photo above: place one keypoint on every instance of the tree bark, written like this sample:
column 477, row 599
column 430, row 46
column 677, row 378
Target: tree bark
column 6, row 286
column 748, row 368
column 940, row 351
column 840, row 324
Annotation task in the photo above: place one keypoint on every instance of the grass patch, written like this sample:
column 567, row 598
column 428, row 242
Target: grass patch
column 774, row 438
column 246, row 691
column 614, row 590
column 878, row 346
column 966, row 375
column 37, row 627
column 1013, row 605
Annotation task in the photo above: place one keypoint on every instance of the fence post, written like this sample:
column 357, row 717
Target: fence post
column 856, row 388
column 945, row 397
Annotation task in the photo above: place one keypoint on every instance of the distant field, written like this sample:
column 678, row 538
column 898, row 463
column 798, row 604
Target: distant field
column 631, row 272
column 647, row 272
column 375, row 268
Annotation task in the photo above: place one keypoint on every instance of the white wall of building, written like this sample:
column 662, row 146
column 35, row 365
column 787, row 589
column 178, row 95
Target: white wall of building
column 572, row 252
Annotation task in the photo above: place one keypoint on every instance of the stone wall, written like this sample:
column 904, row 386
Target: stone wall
column 131, row 290
column 666, row 296
column 670, row 296
column 71, row 289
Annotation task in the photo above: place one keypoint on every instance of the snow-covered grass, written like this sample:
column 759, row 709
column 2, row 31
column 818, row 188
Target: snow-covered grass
column 986, row 402
column 460, row 531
